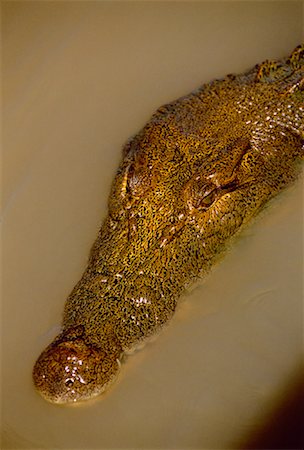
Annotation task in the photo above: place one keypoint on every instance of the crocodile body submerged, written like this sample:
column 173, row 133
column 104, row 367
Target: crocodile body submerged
column 200, row 169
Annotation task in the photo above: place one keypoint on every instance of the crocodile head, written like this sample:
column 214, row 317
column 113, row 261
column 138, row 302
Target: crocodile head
column 198, row 171
column 201, row 168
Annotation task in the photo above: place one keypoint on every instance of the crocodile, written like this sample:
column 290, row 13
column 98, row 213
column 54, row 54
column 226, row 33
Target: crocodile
column 199, row 170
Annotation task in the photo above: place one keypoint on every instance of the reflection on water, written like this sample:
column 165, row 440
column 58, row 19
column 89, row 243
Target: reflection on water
column 79, row 79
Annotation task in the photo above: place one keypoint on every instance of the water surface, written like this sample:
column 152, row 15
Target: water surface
column 79, row 79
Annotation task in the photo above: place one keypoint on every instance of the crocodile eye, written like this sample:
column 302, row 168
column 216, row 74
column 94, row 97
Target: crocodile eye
column 138, row 179
column 199, row 194
column 208, row 198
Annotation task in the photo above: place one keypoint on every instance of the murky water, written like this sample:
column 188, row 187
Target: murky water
column 79, row 79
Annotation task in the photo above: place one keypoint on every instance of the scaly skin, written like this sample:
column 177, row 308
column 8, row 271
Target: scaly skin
column 189, row 180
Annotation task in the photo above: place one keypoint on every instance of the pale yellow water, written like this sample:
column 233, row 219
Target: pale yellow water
column 79, row 79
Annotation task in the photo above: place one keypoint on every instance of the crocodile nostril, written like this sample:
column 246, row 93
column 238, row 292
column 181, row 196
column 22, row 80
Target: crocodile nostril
column 69, row 382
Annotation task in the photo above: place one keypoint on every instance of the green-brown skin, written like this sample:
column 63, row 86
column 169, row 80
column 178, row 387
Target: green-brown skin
column 200, row 169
